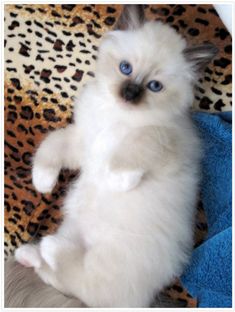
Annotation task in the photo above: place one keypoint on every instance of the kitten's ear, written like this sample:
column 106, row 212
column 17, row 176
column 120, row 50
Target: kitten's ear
column 200, row 55
column 132, row 17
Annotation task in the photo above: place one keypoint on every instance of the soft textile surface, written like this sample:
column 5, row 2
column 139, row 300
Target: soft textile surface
column 50, row 52
column 209, row 276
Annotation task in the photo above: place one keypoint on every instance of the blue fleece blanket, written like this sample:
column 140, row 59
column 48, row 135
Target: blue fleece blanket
column 209, row 275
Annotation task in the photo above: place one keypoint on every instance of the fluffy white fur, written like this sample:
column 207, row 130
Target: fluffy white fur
column 128, row 219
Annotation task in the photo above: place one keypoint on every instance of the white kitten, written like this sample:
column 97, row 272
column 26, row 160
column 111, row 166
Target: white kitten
column 129, row 218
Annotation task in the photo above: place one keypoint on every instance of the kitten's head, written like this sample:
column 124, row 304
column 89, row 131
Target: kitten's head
column 147, row 66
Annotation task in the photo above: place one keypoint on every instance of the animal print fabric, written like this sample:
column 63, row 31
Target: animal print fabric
column 50, row 53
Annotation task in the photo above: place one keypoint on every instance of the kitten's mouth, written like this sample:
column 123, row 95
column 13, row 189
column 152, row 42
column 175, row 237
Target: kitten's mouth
column 132, row 92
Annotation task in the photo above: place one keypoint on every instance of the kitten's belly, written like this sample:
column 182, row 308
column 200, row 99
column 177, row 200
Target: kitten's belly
column 155, row 208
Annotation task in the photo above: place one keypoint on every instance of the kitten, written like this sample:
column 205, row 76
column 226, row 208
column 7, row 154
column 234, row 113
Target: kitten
column 129, row 217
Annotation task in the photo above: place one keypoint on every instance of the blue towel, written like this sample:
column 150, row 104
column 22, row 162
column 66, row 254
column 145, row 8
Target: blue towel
column 209, row 275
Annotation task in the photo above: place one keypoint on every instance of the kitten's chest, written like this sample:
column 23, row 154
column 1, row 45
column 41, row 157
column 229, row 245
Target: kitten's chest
column 105, row 139
column 104, row 142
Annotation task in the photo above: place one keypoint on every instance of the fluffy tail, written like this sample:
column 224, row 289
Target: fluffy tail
column 23, row 288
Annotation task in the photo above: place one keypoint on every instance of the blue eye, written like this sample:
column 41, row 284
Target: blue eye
column 154, row 86
column 125, row 68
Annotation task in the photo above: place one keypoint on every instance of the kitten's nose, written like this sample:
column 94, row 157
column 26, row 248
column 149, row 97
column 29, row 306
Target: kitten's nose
column 132, row 92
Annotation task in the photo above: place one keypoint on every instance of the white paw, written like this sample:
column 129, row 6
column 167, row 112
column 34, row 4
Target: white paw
column 124, row 181
column 49, row 251
column 44, row 178
column 29, row 256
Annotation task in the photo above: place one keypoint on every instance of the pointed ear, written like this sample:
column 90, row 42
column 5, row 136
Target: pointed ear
column 132, row 17
column 200, row 55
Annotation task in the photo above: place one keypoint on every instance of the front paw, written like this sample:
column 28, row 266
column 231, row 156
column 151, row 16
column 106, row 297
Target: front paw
column 44, row 178
column 124, row 181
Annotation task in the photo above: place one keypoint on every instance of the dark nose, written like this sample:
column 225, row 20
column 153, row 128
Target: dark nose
column 132, row 92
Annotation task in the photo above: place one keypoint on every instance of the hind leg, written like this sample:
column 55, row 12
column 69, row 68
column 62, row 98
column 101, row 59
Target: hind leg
column 50, row 258
column 32, row 255
column 29, row 255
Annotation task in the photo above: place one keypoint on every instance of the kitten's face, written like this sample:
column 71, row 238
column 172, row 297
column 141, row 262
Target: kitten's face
column 145, row 69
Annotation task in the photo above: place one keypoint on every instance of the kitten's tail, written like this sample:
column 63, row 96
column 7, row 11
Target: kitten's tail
column 23, row 288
